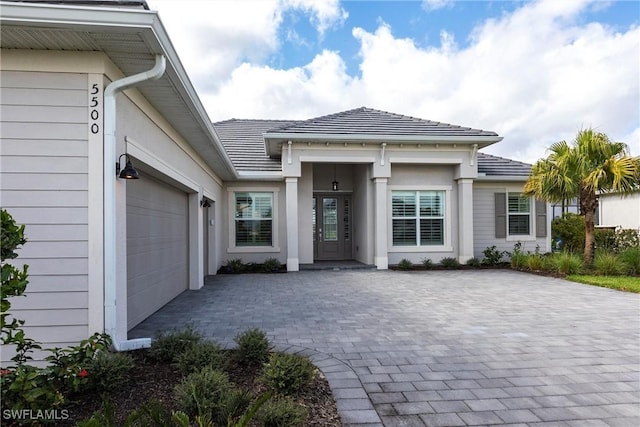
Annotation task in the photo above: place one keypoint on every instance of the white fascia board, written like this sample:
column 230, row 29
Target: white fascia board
column 482, row 141
column 63, row 15
column 499, row 178
column 260, row 175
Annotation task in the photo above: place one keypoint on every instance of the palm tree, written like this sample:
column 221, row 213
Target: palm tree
column 592, row 164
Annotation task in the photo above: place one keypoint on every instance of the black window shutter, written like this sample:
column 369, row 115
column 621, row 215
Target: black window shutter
column 501, row 215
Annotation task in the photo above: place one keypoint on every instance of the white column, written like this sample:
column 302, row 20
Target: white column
column 465, row 219
column 381, row 252
column 196, row 260
column 293, row 261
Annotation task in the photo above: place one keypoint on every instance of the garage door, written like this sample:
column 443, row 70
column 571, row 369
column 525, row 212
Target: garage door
column 157, row 246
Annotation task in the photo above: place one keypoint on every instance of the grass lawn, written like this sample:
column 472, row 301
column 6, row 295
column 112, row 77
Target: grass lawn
column 621, row 283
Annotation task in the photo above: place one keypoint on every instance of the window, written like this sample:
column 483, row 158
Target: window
column 417, row 218
column 518, row 214
column 254, row 219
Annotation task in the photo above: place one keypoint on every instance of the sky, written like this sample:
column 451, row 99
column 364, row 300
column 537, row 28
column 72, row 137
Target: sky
column 535, row 72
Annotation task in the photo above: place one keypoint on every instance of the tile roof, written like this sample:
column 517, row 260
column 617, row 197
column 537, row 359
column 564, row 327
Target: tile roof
column 368, row 121
column 244, row 143
column 499, row 166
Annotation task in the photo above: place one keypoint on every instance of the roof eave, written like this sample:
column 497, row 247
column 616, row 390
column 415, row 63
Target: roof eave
column 500, row 178
column 273, row 140
column 86, row 18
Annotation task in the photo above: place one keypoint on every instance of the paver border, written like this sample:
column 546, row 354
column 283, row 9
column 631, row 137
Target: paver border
column 354, row 405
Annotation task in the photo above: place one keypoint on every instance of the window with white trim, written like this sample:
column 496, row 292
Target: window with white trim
column 418, row 218
column 254, row 218
column 518, row 214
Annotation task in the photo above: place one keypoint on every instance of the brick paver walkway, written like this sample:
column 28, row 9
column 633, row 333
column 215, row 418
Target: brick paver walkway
column 440, row 348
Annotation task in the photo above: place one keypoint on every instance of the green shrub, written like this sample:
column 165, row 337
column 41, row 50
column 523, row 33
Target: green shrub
column 405, row 264
column 203, row 392
column 199, row 355
column 253, row 347
column 282, row 413
column 233, row 407
column 605, row 239
column 449, row 263
column 519, row 260
column 152, row 413
column 235, row 266
column 608, row 264
column 535, row 262
column 271, row 265
column 107, row 371
column 473, row 262
column 14, row 284
column 567, row 233
column 492, row 256
column 631, row 258
column 567, row 263
column 427, row 263
column 167, row 346
column 287, row 373
column 626, row 239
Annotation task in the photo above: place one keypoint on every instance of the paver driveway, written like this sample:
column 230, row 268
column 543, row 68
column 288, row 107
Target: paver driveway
column 440, row 348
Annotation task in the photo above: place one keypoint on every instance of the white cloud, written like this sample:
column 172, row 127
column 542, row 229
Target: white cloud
column 430, row 5
column 324, row 13
column 535, row 76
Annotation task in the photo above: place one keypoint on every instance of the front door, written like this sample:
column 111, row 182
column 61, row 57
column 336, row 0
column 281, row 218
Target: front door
column 332, row 227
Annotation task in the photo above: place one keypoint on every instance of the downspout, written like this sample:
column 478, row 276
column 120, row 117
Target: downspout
column 110, row 267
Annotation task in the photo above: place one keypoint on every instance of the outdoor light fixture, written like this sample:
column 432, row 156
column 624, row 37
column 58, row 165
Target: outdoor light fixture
column 129, row 172
column 205, row 203
column 334, row 184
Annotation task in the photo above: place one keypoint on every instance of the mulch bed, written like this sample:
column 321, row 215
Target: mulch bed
column 151, row 380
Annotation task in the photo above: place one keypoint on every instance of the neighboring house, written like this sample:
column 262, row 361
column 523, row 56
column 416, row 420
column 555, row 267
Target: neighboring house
column 619, row 211
column 104, row 253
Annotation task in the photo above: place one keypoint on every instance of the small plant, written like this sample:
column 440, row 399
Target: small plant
column 199, row 355
column 405, row 264
column 567, row 263
column 67, row 369
column 519, row 260
column 108, row 371
column 166, row 347
column 235, row 266
column 203, row 392
column 271, row 265
column 608, row 264
column 449, row 263
column 284, row 412
column 473, row 262
column 535, row 262
column 492, row 256
column 253, row 347
column 631, row 259
column 427, row 263
column 233, row 406
column 287, row 373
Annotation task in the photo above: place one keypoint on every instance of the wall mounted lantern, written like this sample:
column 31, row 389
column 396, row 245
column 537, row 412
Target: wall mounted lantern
column 129, row 172
column 334, row 184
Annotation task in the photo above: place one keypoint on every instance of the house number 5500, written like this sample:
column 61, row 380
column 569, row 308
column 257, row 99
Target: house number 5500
column 94, row 114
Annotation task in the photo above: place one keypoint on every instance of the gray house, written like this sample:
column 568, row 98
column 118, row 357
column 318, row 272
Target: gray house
column 83, row 89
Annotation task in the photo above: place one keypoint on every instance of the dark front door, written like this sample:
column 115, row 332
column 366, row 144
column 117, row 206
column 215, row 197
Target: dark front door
column 332, row 227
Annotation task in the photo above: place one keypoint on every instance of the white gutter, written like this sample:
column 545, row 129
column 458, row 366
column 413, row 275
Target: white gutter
column 110, row 267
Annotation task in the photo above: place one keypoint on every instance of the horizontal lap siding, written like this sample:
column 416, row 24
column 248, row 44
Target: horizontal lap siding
column 484, row 223
column 44, row 181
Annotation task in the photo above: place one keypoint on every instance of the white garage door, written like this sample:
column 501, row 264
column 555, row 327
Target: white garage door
column 157, row 246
